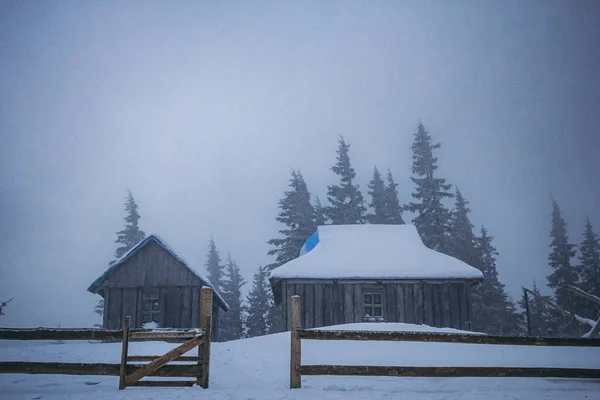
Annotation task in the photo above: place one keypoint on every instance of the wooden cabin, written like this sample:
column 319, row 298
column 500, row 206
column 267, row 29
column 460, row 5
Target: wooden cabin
column 152, row 284
column 374, row 273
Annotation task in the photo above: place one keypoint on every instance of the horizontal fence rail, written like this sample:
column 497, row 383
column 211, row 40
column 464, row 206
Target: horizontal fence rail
column 297, row 369
column 444, row 372
column 96, row 334
column 445, row 338
column 57, row 368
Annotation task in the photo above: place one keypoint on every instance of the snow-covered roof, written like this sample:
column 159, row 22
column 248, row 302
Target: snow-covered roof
column 155, row 238
column 371, row 252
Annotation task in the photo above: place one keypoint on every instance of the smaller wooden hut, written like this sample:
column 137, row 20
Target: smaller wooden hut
column 150, row 283
column 371, row 273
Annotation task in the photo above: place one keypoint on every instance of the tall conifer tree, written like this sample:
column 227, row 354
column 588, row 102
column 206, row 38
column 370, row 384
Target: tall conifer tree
column 393, row 209
column 213, row 265
column 432, row 218
column 589, row 269
column 559, row 259
column 347, row 203
column 298, row 216
column 378, row 199
column 257, row 322
column 131, row 234
column 231, row 324
column 320, row 218
column 127, row 237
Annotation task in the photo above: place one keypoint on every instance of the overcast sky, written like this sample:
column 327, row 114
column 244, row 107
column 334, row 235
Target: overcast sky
column 202, row 108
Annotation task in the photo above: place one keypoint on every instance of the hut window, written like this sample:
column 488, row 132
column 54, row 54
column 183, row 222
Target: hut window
column 151, row 305
column 373, row 305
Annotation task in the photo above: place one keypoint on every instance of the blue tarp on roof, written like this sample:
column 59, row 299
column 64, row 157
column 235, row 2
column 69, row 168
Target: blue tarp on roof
column 310, row 243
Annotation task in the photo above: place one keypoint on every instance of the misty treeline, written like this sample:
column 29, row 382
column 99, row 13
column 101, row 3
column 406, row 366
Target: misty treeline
column 440, row 213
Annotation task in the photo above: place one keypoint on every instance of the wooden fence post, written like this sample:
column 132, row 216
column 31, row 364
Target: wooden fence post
column 296, row 352
column 526, row 298
column 206, row 306
column 124, row 352
column 572, row 313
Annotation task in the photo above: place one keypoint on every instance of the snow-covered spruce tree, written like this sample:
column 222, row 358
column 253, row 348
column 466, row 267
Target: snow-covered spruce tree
column 378, row 199
column 347, row 203
column 257, row 323
column 462, row 240
column 298, row 216
column 320, row 218
column 432, row 218
column 214, row 266
column 542, row 317
column 498, row 311
column 131, row 234
column 393, row 209
column 231, row 325
column 128, row 237
column 563, row 272
column 589, row 270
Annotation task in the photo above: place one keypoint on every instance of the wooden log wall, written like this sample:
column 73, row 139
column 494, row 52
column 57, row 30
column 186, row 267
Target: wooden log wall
column 326, row 303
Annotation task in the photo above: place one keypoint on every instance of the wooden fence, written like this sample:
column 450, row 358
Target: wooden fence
column 297, row 369
column 130, row 371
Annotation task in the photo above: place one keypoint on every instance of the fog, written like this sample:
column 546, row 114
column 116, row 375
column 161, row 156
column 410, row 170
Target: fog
column 202, row 108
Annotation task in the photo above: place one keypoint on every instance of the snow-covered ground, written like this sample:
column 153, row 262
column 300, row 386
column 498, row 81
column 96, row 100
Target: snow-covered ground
column 258, row 369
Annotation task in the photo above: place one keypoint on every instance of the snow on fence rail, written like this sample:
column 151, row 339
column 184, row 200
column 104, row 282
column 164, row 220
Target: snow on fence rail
column 297, row 369
column 129, row 374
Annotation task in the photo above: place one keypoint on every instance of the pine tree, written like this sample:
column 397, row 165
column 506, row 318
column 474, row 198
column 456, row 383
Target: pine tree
column 393, row 209
column 432, row 217
column 560, row 261
column 320, row 218
column 213, row 265
column 495, row 309
column 131, row 234
column 347, row 203
column 589, row 269
column 542, row 316
column 128, row 237
column 257, row 322
column 298, row 216
column 461, row 238
column 231, row 325
column 377, row 191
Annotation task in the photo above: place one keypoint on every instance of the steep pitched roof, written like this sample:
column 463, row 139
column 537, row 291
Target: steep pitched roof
column 372, row 252
column 155, row 238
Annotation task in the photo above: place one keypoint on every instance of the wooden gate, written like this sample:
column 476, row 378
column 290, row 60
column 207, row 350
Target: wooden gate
column 131, row 374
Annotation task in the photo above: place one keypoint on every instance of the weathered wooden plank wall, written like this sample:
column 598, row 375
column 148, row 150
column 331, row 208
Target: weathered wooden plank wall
column 333, row 303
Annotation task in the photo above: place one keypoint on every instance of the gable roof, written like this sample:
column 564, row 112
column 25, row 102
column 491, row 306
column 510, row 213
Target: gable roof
column 372, row 252
column 154, row 238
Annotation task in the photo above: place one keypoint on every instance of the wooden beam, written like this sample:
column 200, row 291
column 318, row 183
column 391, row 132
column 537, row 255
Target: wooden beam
column 582, row 293
column 124, row 351
column 526, row 298
column 163, row 335
column 446, row 338
column 206, row 307
column 561, row 310
column 164, row 383
column 152, row 358
column 295, row 347
column 93, row 334
column 59, row 334
column 57, row 368
column 162, row 361
column 450, row 371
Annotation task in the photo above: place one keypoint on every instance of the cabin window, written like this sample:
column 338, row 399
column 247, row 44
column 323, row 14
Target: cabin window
column 373, row 305
column 150, row 305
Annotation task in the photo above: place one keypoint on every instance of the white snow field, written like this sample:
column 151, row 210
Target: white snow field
column 258, row 369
